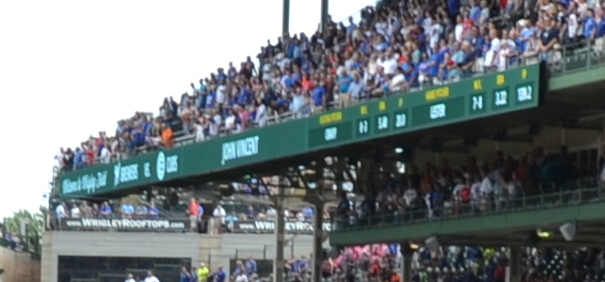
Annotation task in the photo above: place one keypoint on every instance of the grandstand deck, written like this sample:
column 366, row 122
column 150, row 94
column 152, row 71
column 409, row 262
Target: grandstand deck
column 206, row 161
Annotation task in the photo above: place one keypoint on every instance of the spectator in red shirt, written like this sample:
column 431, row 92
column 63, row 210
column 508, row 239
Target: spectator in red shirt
column 193, row 211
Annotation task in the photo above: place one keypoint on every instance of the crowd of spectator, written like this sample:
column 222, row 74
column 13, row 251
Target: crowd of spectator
column 399, row 45
column 127, row 210
column 476, row 187
column 382, row 262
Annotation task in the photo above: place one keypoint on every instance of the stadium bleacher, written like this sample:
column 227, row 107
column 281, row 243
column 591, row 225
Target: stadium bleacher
column 398, row 46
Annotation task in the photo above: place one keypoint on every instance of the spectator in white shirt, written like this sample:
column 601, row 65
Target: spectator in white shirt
column 59, row 158
column 75, row 211
column 151, row 278
column 388, row 63
column 261, row 113
column 491, row 56
column 219, row 215
column 105, row 155
column 60, row 212
column 241, row 277
column 129, row 278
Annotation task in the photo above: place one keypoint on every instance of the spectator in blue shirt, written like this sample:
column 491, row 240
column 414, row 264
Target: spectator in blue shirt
column 220, row 275
column 79, row 159
column 105, row 210
column 600, row 18
column 251, row 266
column 154, row 212
column 127, row 210
column 185, row 275
column 319, row 95
column 590, row 25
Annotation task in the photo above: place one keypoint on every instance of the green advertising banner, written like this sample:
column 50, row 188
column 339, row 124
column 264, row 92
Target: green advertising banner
column 493, row 94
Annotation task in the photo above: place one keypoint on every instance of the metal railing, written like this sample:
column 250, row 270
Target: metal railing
column 579, row 192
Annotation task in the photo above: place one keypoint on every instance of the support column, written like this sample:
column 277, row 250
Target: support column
column 318, row 235
column 512, row 271
column 278, row 261
column 325, row 6
column 149, row 195
column 601, row 142
column 406, row 267
column 285, row 23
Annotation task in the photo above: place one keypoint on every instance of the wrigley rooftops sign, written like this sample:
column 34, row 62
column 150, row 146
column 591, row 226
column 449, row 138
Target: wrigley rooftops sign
column 123, row 173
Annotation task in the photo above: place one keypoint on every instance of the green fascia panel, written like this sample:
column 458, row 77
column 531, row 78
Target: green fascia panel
column 504, row 221
column 576, row 79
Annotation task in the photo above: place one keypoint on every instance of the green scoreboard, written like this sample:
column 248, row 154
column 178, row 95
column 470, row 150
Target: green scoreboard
column 488, row 95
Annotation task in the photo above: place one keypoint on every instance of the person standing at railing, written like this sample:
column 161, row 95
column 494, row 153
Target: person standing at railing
column 549, row 36
column 167, row 136
column 61, row 213
column 203, row 272
column 105, row 211
column 185, row 275
column 220, row 275
column 193, row 211
column 219, row 214
column 127, row 210
column 251, row 266
column 154, row 212
column 150, row 277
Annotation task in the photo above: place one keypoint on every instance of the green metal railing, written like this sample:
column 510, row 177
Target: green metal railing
column 552, row 195
column 577, row 57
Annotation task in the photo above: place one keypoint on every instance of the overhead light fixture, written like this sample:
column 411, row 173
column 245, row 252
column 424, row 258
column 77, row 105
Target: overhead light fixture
column 432, row 243
column 569, row 230
column 400, row 167
column 544, row 234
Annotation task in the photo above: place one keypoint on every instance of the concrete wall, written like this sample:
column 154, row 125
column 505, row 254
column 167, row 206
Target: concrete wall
column 18, row 267
column 117, row 244
column 259, row 246
column 212, row 249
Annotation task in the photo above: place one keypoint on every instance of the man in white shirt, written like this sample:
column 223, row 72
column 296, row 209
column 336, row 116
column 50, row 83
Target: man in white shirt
column 398, row 82
column 220, row 93
column 389, row 63
column 151, row 278
column 241, row 277
column 219, row 214
column 75, row 211
column 129, row 278
column 486, row 190
column 60, row 212
column 59, row 158
column 105, row 157
column 409, row 196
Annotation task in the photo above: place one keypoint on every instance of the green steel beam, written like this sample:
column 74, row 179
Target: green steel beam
column 285, row 24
